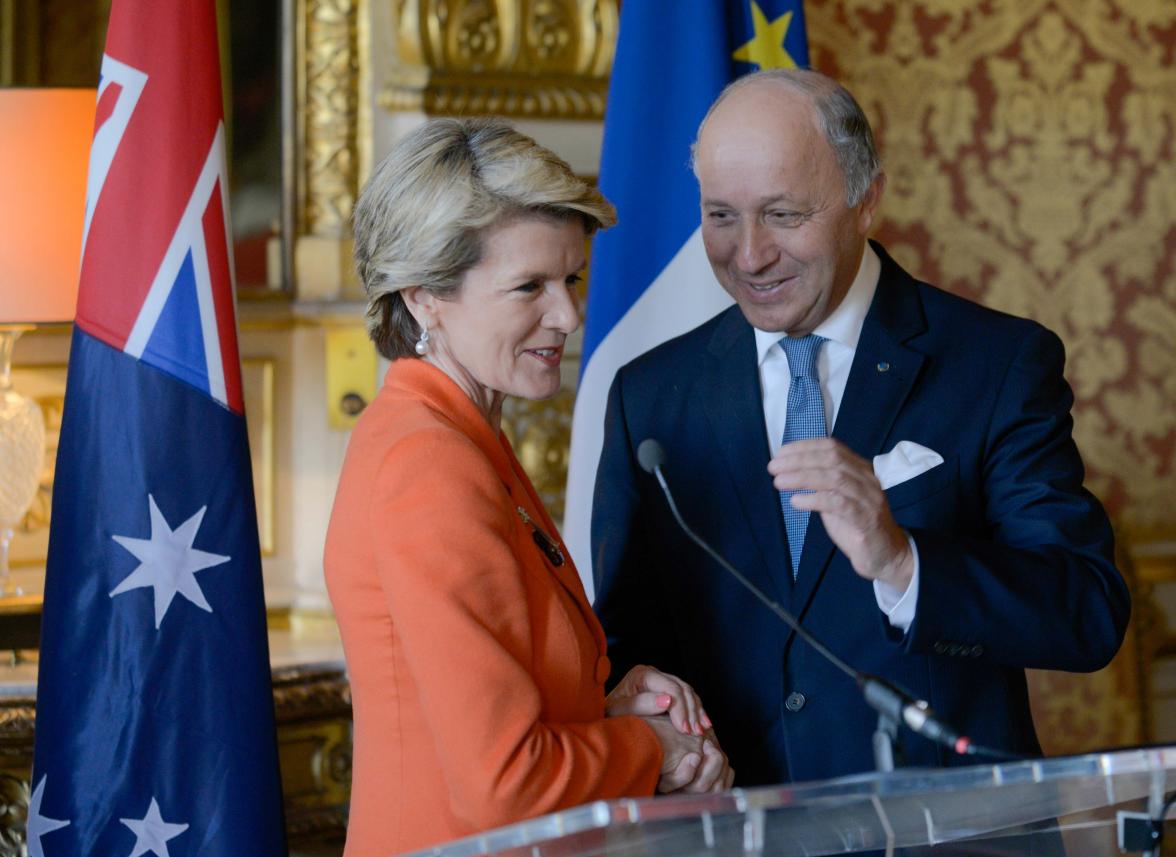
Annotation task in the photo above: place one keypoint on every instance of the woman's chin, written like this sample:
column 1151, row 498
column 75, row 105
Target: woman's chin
column 539, row 391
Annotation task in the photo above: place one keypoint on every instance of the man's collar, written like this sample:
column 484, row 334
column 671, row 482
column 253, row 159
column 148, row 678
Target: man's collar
column 844, row 324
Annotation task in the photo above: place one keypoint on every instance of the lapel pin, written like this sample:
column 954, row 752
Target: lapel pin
column 883, row 366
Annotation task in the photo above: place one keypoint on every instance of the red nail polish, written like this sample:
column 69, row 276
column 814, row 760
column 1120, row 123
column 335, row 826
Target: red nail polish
column 663, row 700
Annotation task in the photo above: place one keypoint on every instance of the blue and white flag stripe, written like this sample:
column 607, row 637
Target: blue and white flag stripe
column 650, row 279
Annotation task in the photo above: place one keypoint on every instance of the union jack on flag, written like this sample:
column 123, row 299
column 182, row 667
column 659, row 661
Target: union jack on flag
column 155, row 246
column 155, row 729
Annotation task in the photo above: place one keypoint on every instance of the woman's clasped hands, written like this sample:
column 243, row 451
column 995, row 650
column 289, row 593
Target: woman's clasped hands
column 692, row 760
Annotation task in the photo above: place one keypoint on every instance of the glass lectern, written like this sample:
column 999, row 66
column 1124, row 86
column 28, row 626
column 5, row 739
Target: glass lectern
column 1065, row 806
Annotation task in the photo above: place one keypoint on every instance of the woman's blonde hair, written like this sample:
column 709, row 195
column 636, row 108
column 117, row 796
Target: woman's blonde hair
column 421, row 218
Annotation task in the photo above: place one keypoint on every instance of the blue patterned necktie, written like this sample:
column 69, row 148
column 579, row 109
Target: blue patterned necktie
column 806, row 419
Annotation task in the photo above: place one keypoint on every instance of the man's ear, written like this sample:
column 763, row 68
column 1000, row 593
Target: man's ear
column 870, row 202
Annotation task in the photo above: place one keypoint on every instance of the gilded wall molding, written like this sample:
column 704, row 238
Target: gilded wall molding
column 312, row 707
column 18, row 717
column 525, row 58
column 17, row 722
column 14, row 810
column 332, row 132
column 310, row 693
column 330, row 160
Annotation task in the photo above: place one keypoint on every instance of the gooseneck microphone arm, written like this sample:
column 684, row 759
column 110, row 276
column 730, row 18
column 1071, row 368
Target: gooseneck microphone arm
column 883, row 696
column 651, row 457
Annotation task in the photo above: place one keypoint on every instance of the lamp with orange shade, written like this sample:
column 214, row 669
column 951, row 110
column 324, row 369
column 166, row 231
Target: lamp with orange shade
column 44, row 152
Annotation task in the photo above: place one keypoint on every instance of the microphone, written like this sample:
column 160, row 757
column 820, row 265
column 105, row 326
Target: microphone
column 883, row 696
column 651, row 457
column 889, row 699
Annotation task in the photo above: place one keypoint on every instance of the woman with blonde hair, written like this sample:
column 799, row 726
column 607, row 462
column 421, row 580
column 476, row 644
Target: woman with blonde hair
column 477, row 665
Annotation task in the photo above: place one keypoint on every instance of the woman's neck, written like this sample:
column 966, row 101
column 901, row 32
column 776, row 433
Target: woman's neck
column 488, row 401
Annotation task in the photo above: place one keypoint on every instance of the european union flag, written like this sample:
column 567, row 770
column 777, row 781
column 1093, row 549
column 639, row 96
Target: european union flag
column 155, row 730
column 650, row 279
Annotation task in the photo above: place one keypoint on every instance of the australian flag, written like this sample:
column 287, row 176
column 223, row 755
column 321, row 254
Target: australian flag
column 155, row 729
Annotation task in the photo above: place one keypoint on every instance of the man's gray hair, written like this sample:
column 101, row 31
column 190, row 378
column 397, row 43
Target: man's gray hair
column 841, row 119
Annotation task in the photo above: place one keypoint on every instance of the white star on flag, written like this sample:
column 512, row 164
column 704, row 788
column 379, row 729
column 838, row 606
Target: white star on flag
column 168, row 562
column 152, row 832
column 38, row 825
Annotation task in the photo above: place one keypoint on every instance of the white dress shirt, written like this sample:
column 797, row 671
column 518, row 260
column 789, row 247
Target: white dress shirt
column 842, row 329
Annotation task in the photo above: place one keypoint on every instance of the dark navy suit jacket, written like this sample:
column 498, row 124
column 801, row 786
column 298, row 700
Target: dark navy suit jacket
column 1016, row 558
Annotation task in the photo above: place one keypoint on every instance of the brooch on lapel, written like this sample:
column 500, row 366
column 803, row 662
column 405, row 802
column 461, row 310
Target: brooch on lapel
column 546, row 543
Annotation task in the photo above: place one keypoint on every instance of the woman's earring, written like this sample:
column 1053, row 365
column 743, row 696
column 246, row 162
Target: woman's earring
column 422, row 344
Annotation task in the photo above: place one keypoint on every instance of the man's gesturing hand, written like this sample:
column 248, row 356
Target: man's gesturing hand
column 852, row 506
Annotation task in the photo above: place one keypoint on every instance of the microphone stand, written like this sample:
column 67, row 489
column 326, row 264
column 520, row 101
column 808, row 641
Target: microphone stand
column 885, row 740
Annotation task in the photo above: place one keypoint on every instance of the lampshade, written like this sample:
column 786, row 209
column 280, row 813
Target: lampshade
column 45, row 139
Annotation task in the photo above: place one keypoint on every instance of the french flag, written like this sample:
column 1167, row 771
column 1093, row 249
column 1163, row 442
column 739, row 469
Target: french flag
column 155, row 726
column 650, row 278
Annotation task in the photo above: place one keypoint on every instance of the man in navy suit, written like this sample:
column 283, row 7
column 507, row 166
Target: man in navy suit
column 948, row 543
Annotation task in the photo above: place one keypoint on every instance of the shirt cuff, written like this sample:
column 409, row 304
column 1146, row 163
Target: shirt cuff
column 899, row 607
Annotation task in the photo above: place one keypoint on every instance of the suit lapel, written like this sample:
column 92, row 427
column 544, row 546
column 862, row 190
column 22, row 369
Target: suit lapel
column 730, row 397
column 565, row 574
column 884, row 371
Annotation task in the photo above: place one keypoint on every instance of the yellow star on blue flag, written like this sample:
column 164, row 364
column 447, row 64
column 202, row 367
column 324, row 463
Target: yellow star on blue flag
column 768, row 47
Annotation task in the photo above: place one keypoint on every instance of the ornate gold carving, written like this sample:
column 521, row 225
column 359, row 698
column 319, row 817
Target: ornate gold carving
column 17, row 719
column 331, row 68
column 540, row 58
column 540, row 433
column 311, row 825
column 302, row 693
column 14, row 810
column 313, row 777
column 313, row 711
column 1029, row 157
column 333, row 124
column 339, row 762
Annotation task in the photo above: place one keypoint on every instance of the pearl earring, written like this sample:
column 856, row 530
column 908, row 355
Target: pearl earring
column 422, row 344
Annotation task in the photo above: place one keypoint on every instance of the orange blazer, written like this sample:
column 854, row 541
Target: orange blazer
column 477, row 668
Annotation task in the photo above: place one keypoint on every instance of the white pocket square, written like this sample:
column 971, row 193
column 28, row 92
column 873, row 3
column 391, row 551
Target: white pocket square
column 906, row 461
